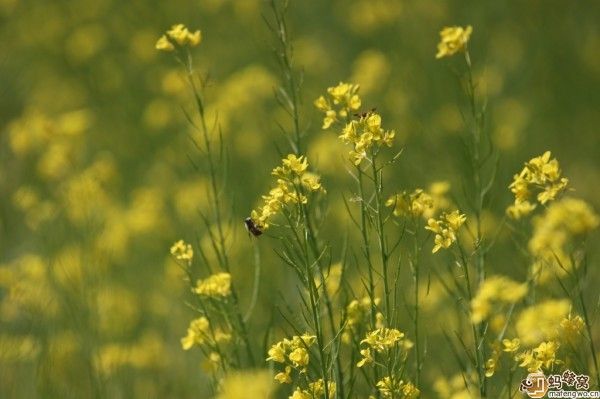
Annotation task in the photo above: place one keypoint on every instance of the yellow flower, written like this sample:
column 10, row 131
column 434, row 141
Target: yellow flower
column 277, row 352
column 511, row 345
column 540, row 322
column 163, row 44
column 453, row 40
column 291, row 173
column 418, row 203
column 178, row 34
column 284, row 377
column 410, row 391
column 495, row 290
column 217, row 285
column 382, row 338
column 445, row 229
column 196, row 333
column 299, row 357
column 182, row 251
column 367, row 357
column 342, row 100
column 554, row 233
column 571, row 328
column 540, row 175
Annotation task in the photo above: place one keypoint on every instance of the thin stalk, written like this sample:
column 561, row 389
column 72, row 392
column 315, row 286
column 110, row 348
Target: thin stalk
column 215, row 193
column 377, row 179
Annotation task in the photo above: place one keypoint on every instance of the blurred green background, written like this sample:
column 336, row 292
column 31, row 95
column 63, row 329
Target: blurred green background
column 96, row 183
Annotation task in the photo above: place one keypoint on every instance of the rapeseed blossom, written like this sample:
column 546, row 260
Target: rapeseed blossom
column 445, row 229
column 182, row 251
column 178, row 35
column 293, row 353
column 217, row 285
column 293, row 182
column 453, row 40
column 495, row 290
column 381, row 340
column 341, row 101
column 541, row 177
column 364, row 134
column 555, row 233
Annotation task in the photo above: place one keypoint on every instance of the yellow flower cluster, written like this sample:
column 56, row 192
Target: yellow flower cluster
column 357, row 314
column 541, row 176
column 182, row 251
column 381, row 340
column 416, row 203
column 292, row 180
column 180, row 35
column 571, row 328
column 453, row 39
column 421, row 203
column 292, row 352
column 392, row 387
column 495, row 290
column 364, row 133
column 543, row 356
column 217, row 285
column 315, row 390
column 554, row 231
column 340, row 102
column 445, row 229
column 200, row 333
column 539, row 322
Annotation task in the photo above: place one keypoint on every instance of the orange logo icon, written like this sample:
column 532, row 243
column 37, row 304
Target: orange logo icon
column 535, row 385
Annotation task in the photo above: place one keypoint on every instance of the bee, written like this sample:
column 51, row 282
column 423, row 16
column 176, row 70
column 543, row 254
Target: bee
column 251, row 227
column 365, row 113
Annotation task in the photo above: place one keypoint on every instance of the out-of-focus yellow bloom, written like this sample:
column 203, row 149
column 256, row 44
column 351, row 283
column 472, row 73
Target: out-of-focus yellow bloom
column 357, row 314
column 495, row 290
column 540, row 322
column 163, row 44
column 511, row 345
column 571, row 328
column 182, row 251
column 453, row 40
column 392, row 387
column 413, row 204
column 541, row 176
column 180, row 35
column 445, row 229
column 492, row 363
column 217, row 285
column 554, row 233
column 197, row 333
column 247, row 384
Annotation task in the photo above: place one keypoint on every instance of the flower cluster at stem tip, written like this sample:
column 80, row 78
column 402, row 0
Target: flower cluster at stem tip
column 182, row 251
column 541, row 176
column 180, row 36
column 293, row 180
column 340, row 102
column 363, row 133
column 445, row 229
column 453, row 39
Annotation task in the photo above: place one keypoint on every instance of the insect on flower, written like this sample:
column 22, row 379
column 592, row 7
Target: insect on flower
column 251, row 227
column 364, row 114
